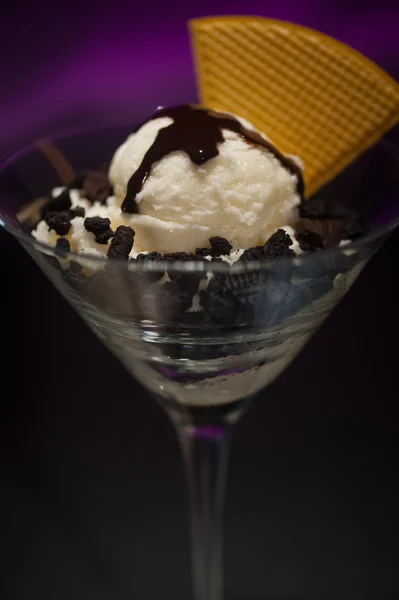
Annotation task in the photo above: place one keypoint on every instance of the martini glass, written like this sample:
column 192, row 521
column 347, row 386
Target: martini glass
column 203, row 366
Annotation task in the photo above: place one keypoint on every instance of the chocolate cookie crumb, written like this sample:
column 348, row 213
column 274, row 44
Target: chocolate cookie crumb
column 149, row 256
column 60, row 221
column 100, row 227
column 79, row 211
column 188, row 279
column 151, row 276
column 96, row 225
column 62, row 246
column 220, row 246
column 255, row 253
column 180, row 256
column 60, row 202
column 278, row 245
column 103, row 238
column 122, row 243
column 203, row 252
column 74, row 275
column 244, row 281
column 219, row 304
column 331, row 231
column 309, row 241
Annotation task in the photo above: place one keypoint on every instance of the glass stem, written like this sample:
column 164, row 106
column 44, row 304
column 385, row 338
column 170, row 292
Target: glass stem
column 205, row 453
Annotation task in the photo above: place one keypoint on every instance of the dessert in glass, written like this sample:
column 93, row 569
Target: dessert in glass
column 196, row 255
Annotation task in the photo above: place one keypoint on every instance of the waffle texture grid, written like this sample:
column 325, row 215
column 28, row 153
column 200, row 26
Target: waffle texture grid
column 312, row 95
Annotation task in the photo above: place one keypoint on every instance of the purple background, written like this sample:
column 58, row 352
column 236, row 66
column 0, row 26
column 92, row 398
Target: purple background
column 83, row 61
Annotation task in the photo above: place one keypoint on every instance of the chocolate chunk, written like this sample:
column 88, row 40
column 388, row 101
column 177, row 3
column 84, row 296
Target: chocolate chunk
column 96, row 186
column 278, row 246
column 60, row 221
column 122, row 243
column 309, row 241
column 220, row 246
column 331, row 231
column 62, row 246
column 100, row 227
column 59, row 203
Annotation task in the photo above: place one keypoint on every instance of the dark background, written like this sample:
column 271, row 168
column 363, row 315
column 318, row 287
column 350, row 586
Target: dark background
column 92, row 491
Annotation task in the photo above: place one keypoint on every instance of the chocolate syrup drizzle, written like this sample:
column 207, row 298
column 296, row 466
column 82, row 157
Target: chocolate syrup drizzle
column 197, row 132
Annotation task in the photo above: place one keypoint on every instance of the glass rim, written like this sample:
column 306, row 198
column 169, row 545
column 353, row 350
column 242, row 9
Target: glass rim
column 9, row 158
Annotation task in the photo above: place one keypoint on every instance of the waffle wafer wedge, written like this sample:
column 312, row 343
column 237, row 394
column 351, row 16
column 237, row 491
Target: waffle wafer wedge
column 312, row 95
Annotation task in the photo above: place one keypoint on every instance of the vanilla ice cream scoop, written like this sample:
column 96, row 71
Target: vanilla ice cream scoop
column 188, row 174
